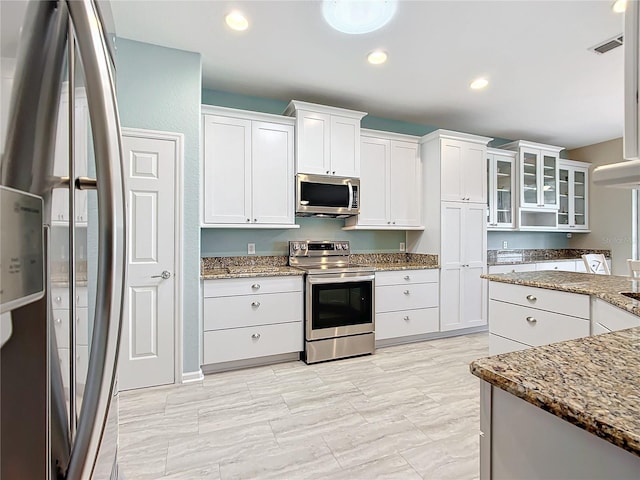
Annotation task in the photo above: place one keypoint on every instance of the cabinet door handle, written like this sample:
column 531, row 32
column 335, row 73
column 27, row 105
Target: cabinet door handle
column 255, row 304
column 406, row 292
column 248, row 219
column 327, row 172
column 255, row 220
column 58, row 299
column 531, row 320
column 256, row 286
column 406, row 318
column 407, row 277
column 256, row 336
column 531, row 298
column 58, row 320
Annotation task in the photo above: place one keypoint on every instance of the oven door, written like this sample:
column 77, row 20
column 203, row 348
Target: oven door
column 339, row 304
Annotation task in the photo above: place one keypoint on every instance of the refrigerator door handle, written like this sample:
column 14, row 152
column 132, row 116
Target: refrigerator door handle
column 103, row 112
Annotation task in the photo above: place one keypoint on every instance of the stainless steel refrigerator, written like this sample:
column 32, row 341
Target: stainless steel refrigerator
column 62, row 245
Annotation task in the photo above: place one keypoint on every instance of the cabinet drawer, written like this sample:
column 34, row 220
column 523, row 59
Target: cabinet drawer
column 562, row 266
column 244, row 286
column 391, row 298
column 246, row 310
column 61, row 325
column 60, row 297
column 510, row 321
column 251, row 342
column 404, row 324
column 520, row 267
column 402, row 277
column 566, row 303
column 498, row 345
column 612, row 318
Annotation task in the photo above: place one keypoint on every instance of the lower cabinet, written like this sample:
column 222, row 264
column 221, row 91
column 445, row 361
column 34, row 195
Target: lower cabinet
column 248, row 318
column 522, row 317
column 406, row 303
column 60, row 312
column 606, row 318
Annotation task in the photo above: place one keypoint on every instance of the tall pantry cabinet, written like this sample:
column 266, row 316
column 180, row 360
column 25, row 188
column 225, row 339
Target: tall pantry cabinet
column 454, row 206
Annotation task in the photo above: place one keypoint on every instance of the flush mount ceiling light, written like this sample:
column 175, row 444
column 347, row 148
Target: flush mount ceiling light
column 377, row 57
column 619, row 6
column 479, row 84
column 237, row 21
column 358, row 16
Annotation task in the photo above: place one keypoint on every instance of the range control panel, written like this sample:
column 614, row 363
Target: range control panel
column 313, row 248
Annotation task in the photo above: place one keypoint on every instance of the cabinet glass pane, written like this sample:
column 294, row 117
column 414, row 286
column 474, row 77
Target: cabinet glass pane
column 549, row 180
column 563, row 187
column 579, row 198
column 530, row 181
column 504, row 174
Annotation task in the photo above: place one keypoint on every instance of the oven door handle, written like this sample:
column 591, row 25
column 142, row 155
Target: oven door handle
column 340, row 278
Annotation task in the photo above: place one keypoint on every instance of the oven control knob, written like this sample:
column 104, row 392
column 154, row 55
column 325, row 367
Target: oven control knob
column 296, row 246
column 338, row 246
column 303, row 246
column 345, row 246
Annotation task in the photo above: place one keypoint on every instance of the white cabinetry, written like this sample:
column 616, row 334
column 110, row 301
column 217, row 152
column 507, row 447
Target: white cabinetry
column 247, row 318
column 501, row 193
column 60, row 196
column 454, row 168
column 406, row 304
column 247, row 169
column 531, row 316
column 520, row 267
column 560, row 265
column 607, row 318
column 327, row 139
column 573, row 214
column 537, row 183
column 390, row 171
column 60, row 313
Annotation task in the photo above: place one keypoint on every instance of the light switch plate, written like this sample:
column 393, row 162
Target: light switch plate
column 251, row 248
column 504, row 245
column 402, row 246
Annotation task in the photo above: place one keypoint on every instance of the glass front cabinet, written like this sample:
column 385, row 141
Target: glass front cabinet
column 573, row 187
column 501, row 169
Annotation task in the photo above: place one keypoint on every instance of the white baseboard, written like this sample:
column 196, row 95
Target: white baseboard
column 190, row 377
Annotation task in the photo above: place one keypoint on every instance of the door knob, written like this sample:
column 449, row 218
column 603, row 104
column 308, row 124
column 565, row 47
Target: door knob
column 164, row 275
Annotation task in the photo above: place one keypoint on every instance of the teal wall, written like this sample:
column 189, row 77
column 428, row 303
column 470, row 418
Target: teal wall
column 160, row 89
column 232, row 242
column 527, row 240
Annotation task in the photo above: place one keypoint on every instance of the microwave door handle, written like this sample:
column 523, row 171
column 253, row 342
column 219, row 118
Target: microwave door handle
column 350, row 195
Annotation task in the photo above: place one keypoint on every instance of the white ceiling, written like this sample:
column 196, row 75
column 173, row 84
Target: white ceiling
column 546, row 85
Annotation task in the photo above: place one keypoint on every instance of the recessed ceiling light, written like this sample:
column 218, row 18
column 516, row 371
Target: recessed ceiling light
column 479, row 83
column 377, row 57
column 619, row 6
column 237, row 21
column 358, row 16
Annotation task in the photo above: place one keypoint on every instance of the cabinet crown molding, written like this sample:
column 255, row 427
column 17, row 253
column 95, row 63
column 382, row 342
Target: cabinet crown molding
column 296, row 105
column 245, row 114
column 500, row 151
column 403, row 137
column 450, row 134
column 572, row 163
column 524, row 143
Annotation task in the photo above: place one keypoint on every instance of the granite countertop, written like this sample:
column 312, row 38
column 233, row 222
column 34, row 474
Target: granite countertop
column 276, row 266
column 605, row 287
column 592, row 382
column 538, row 255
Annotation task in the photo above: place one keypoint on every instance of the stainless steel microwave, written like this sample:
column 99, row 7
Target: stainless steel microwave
column 327, row 196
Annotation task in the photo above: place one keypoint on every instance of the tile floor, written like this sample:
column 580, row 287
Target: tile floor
column 407, row 412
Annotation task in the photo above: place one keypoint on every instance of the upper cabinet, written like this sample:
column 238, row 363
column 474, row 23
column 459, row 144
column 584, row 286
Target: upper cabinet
column 247, row 169
column 327, row 139
column 501, row 173
column 463, row 170
column 538, row 184
column 573, row 213
column 390, row 173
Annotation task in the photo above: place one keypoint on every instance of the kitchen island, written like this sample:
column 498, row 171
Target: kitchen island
column 569, row 409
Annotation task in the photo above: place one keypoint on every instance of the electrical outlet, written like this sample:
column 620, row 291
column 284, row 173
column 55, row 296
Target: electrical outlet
column 504, row 245
column 402, row 247
column 569, row 235
column 251, row 248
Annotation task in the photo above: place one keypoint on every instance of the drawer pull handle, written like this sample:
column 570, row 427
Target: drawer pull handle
column 531, row 320
column 406, row 292
column 407, row 277
column 531, row 298
column 406, row 318
column 255, row 304
column 256, row 286
column 256, row 336
column 58, row 320
column 58, row 299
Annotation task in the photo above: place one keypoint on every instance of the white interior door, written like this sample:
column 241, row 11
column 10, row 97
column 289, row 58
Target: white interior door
column 147, row 342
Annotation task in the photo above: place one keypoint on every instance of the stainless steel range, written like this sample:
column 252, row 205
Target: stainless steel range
column 339, row 301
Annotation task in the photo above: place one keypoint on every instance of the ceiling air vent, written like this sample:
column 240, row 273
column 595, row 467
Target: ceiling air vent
column 607, row 45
